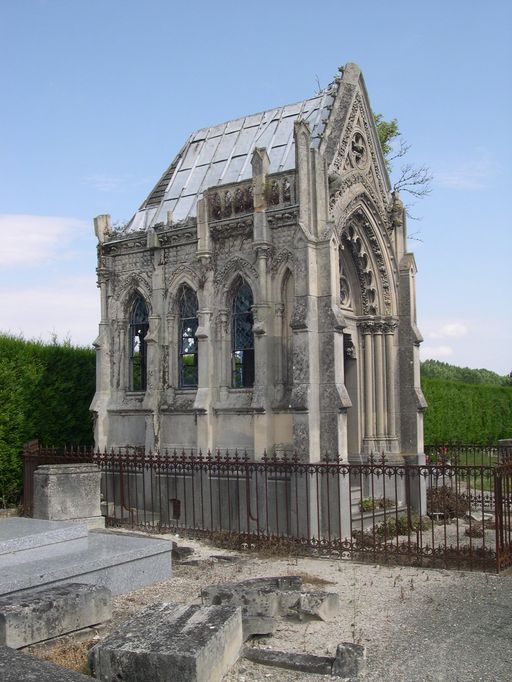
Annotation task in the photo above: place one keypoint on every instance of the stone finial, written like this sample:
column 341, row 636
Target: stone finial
column 397, row 211
column 152, row 241
column 102, row 227
column 260, row 161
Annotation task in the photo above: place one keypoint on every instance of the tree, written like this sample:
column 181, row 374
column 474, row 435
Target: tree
column 415, row 181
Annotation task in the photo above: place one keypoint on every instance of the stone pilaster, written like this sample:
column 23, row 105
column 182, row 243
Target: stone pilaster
column 412, row 401
column 389, row 330
column 154, row 343
column 103, row 343
column 203, row 401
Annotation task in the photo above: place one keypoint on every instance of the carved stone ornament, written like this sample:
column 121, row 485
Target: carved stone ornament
column 345, row 298
column 357, row 146
column 359, row 150
column 234, row 265
column 283, row 256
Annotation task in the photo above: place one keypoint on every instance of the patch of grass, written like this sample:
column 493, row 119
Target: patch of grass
column 68, row 654
column 309, row 579
column 371, row 503
column 446, row 500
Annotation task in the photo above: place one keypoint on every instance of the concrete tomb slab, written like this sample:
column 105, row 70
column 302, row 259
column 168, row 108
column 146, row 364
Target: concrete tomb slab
column 171, row 643
column 39, row 615
column 22, row 539
column 118, row 561
column 18, row 667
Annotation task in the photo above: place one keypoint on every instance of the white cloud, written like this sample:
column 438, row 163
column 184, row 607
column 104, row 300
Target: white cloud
column 68, row 307
column 454, row 330
column 113, row 183
column 435, row 352
column 473, row 173
column 30, row 239
column 104, row 183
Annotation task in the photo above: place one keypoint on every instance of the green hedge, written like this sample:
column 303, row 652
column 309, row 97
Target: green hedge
column 466, row 413
column 45, row 393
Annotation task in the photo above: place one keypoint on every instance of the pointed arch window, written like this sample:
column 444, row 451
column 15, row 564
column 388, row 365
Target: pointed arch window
column 242, row 338
column 139, row 325
column 188, row 365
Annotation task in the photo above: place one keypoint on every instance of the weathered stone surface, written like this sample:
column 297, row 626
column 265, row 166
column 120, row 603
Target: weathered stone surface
column 67, row 492
column 321, row 605
column 259, row 599
column 226, row 558
column 180, row 553
column 290, row 660
column 38, row 615
column 23, row 539
column 18, row 667
column 171, row 643
column 350, row 660
column 118, row 561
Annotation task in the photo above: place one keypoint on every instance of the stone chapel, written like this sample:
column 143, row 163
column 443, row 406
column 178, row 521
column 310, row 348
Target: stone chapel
column 262, row 298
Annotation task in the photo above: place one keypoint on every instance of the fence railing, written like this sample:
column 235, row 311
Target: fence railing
column 443, row 513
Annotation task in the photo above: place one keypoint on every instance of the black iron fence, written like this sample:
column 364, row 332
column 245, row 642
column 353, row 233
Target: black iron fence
column 453, row 511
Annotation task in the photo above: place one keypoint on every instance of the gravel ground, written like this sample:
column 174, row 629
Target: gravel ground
column 418, row 625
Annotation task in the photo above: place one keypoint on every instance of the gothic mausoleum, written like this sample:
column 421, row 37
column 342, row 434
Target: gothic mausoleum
column 262, row 297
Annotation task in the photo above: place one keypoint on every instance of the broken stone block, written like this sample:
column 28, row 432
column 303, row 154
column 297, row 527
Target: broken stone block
column 350, row 660
column 171, row 643
column 258, row 598
column 181, row 553
column 226, row 558
column 290, row 660
column 38, row 615
column 319, row 605
column 18, row 667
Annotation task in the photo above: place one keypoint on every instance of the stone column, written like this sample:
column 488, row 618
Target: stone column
column 389, row 330
column 368, row 382
column 121, row 365
column 379, row 382
column 224, row 354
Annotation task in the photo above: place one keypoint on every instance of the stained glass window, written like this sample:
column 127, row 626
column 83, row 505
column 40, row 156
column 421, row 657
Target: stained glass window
column 242, row 338
column 139, row 325
column 187, row 342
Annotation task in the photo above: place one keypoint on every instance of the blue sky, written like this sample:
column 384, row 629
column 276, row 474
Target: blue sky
column 99, row 95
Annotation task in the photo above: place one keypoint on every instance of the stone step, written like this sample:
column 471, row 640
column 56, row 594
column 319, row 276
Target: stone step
column 171, row 643
column 118, row 561
column 23, row 539
column 38, row 615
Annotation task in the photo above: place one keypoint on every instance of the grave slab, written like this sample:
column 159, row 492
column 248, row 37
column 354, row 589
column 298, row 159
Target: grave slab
column 22, row 539
column 39, row 615
column 118, row 561
column 171, row 643
column 18, row 667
